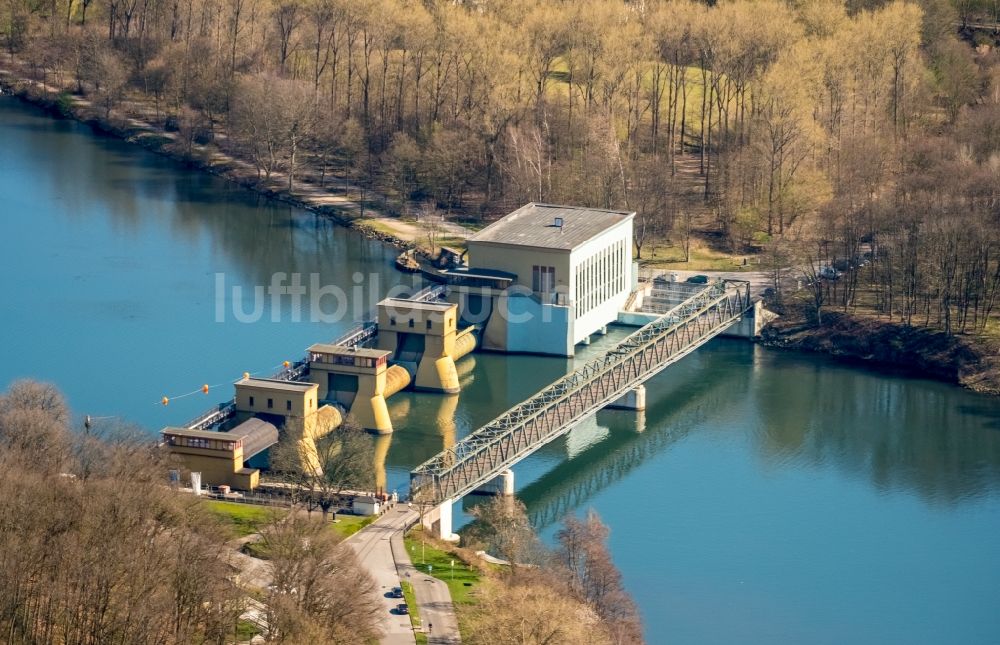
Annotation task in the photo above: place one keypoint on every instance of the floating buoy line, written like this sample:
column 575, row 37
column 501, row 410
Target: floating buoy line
column 206, row 388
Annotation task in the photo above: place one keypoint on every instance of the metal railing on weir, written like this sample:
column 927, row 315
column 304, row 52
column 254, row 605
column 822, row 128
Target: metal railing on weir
column 357, row 335
column 554, row 410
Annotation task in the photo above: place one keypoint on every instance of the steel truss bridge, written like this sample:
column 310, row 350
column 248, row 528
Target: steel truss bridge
column 515, row 434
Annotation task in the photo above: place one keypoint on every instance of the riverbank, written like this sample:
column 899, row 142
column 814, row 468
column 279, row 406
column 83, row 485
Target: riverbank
column 314, row 189
column 961, row 360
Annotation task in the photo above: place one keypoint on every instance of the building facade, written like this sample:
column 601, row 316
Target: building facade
column 545, row 278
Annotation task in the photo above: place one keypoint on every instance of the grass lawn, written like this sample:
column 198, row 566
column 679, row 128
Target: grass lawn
column 411, row 604
column 348, row 525
column 242, row 519
column 456, row 243
column 656, row 254
column 461, row 580
column 382, row 227
column 245, row 630
column 558, row 80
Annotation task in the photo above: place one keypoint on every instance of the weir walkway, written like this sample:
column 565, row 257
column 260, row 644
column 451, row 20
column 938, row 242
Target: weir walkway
column 357, row 336
column 491, row 450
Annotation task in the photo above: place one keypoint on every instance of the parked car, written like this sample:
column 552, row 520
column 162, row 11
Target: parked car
column 827, row 272
column 698, row 279
column 397, row 592
column 401, row 608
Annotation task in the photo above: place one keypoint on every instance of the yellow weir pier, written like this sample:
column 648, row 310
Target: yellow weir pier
column 411, row 343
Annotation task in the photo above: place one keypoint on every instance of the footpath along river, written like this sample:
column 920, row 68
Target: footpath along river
column 765, row 497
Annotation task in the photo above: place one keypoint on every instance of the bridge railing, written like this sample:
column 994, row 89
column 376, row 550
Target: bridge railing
column 429, row 294
column 357, row 335
column 554, row 410
column 212, row 417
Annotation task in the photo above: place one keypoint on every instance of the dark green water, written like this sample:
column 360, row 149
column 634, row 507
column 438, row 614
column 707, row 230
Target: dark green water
column 765, row 497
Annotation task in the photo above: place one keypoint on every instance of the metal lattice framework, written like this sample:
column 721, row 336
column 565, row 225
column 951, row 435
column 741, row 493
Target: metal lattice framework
column 528, row 426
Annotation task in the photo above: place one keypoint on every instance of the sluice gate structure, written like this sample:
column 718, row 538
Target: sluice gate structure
column 311, row 397
column 616, row 377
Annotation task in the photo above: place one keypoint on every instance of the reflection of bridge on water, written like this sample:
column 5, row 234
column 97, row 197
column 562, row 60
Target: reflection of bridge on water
column 573, row 482
column 608, row 380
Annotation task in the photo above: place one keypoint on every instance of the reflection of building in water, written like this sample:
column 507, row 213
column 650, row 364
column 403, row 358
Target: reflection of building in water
column 444, row 424
column 584, row 435
column 382, row 443
column 545, row 278
column 446, row 420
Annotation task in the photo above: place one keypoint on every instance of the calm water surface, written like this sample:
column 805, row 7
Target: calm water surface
column 764, row 497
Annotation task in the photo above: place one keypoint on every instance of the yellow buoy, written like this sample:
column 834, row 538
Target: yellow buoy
column 287, row 364
column 246, row 374
column 204, row 388
column 164, row 400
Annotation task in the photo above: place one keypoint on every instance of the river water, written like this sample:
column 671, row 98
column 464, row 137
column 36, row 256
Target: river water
column 763, row 497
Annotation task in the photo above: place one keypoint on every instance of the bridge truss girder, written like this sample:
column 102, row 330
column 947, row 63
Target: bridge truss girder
column 554, row 410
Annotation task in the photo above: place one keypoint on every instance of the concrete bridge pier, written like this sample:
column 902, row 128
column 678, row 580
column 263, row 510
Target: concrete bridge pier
column 750, row 325
column 438, row 521
column 634, row 399
column 502, row 484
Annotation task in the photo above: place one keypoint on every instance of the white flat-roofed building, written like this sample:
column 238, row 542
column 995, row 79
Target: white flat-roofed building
column 546, row 277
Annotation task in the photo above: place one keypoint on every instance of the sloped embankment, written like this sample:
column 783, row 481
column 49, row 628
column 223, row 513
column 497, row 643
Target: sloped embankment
column 926, row 352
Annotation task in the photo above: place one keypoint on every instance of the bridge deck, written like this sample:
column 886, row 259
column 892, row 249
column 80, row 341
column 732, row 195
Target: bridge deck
column 528, row 426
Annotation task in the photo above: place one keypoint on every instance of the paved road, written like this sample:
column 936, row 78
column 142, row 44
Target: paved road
column 759, row 280
column 381, row 550
column 374, row 552
column 433, row 597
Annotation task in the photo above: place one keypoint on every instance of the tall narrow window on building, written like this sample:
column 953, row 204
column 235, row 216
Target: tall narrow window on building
column 621, row 265
column 288, row 406
column 605, row 278
column 543, row 279
column 251, row 401
column 270, row 403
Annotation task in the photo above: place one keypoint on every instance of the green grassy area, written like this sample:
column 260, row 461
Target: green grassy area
column 411, row 603
column 558, row 79
column 657, row 254
column 461, row 579
column 382, row 227
column 348, row 525
column 242, row 519
column 457, row 243
column 245, row 630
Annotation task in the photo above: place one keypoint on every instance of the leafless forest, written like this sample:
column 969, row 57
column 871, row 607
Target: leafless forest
column 807, row 132
column 97, row 549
